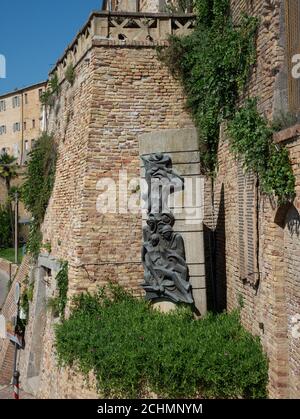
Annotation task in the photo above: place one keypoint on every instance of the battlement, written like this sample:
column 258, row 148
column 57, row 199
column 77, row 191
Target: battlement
column 124, row 29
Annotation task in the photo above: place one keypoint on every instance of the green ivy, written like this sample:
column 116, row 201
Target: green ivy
column 26, row 299
column 131, row 347
column 38, row 186
column 47, row 98
column 251, row 139
column 213, row 64
column 58, row 304
column 70, row 74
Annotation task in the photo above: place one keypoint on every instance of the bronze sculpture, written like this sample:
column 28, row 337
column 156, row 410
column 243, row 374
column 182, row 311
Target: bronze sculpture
column 163, row 252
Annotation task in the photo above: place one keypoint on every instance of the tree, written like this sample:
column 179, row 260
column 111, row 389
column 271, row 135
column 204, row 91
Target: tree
column 8, row 171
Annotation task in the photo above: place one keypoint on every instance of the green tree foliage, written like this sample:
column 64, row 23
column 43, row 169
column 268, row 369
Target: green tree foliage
column 8, row 169
column 5, row 228
column 130, row 347
column 8, row 172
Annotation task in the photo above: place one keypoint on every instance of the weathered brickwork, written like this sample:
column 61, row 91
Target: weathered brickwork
column 270, row 311
column 120, row 92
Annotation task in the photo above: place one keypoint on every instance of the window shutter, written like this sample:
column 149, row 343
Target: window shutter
column 247, row 219
column 292, row 21
column 241, row 218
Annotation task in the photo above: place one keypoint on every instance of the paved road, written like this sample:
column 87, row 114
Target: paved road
column 7, row 393
column 3, row 286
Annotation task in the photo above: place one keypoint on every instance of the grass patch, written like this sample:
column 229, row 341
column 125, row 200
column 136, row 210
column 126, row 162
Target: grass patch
column 9, row 254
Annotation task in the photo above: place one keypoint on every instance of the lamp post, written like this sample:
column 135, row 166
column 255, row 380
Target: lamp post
column 16, row 226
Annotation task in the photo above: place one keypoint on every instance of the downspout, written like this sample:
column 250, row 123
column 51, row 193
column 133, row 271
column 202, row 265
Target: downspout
column 22, row 129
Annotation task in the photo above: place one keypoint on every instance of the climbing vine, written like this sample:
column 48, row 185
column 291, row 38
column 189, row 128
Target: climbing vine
column 38, row 186
column 213, row 64
column 58, row 303
column 47, row 98
column 251, row 138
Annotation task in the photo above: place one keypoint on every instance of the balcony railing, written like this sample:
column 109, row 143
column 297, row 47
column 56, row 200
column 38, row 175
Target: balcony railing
column 124, row 28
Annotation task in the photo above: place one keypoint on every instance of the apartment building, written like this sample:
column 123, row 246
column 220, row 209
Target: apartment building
column 20, row 120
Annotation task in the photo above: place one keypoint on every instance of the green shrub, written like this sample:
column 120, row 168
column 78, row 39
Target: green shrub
column 48, row 97
column 5, row 227
column 131, row 347
column 70, row 74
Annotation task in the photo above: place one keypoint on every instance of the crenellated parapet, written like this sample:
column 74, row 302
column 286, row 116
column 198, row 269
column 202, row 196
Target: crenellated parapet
column 124, row 29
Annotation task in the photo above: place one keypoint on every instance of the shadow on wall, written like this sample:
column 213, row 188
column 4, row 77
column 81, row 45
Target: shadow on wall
column 215, row 261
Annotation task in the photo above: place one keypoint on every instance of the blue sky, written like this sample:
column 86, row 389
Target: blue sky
column 35, row 33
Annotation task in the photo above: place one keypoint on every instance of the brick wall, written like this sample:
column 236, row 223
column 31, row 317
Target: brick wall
column 268, row 311
column 120, row 92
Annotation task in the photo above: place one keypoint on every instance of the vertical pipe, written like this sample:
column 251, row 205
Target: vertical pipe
column 16, row 228
column 22, row 129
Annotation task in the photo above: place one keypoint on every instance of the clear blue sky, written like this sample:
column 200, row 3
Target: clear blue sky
column 35, row 33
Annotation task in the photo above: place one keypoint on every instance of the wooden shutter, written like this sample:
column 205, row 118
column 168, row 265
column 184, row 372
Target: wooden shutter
column 292, row 23
column 241, row 221
column 247, row 226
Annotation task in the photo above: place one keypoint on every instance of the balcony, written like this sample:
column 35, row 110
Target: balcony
column 124, row 29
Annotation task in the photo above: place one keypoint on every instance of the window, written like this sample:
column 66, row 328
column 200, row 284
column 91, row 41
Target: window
column 26, row 98
column 33, row 123
column 16, row 101
column 26, row 146
column 16, row 126
column 16, row 150
column 2, row 129
column 2, row 105
column 24, row 126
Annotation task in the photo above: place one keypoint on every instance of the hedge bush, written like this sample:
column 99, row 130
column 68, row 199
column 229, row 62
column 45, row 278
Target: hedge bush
column 130, row 347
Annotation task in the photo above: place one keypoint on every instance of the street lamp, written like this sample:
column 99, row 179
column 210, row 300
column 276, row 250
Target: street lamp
column 16, row 226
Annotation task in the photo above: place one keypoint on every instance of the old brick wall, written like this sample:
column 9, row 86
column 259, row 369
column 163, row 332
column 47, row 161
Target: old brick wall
column 271, row 311
column 268, row 311
column 120, row 92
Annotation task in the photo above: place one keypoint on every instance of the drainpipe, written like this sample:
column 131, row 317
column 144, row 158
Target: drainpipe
column 22, row 129
column 16, row 227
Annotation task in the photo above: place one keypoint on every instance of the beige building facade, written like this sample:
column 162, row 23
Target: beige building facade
column 20, row 120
